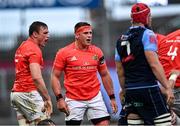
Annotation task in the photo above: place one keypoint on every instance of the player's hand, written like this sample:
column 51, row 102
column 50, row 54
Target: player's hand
column 169, row 96
column 114, row 105
column 63, row 107
column 48, row 107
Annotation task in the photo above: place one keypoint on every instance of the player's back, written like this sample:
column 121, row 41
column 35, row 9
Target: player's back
column 131, row 50
column 169, row 53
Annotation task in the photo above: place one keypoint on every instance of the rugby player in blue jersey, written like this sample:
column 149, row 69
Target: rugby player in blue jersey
column 139, row 69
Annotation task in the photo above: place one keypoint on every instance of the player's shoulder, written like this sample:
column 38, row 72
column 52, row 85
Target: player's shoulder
column 149, row 32
column 174, row 34
column 121, row 37
column 95, row 48
column 29, row 47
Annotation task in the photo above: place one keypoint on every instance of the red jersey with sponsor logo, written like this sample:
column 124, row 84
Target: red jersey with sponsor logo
column 28, row 52
column 169, row 53
column 80, row 67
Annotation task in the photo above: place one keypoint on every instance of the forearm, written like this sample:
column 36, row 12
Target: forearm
column 121, row 79
column 108, row 84
column 56, row 85
column 157, row 68
column 39, row 82
column 160, row 75
column 120, row 73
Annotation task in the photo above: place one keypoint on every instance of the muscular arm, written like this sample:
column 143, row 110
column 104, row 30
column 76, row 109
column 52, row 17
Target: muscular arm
column 157, row 68
column 158, row 71
column 107, row 81
column 56, row 86
column 40, row 84
column 121, row 78
column 120, row 73
column 55, row 83
column 108, row 85
column 38, row 80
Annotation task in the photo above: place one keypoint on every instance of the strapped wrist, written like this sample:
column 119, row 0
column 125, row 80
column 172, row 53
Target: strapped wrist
column 112, row 96
column 173, row 77
column 59, row 96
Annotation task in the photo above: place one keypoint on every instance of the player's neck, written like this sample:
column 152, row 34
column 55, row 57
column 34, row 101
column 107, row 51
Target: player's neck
column 137, row 24
column 80, row 46
column 32, row 39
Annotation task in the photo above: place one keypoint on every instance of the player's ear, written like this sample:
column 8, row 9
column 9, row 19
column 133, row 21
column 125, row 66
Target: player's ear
column 76, row 36
column 35, row 34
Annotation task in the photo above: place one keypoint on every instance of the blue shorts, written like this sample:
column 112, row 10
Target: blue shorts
column 148, row 103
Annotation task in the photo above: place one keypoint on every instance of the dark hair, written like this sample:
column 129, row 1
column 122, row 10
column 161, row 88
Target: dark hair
column 79, row 24
column 35, row 26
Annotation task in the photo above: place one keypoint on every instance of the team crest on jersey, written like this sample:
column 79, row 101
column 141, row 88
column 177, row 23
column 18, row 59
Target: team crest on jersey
column 152, row 39
column 95, row 57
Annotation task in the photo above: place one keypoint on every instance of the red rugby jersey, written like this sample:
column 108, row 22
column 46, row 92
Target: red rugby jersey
column 28, row 52
column 169, row 53
column 80, row 68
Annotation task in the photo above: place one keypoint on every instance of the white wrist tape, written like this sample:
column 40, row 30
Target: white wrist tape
column 173, row 77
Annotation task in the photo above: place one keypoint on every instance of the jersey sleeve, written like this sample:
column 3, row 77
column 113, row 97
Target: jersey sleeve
column 117, row 56
column 101, row 59
column 34, row 56
column 59, row 62
column 149, row 40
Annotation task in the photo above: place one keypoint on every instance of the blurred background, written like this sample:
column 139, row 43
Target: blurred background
column 109, row 19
